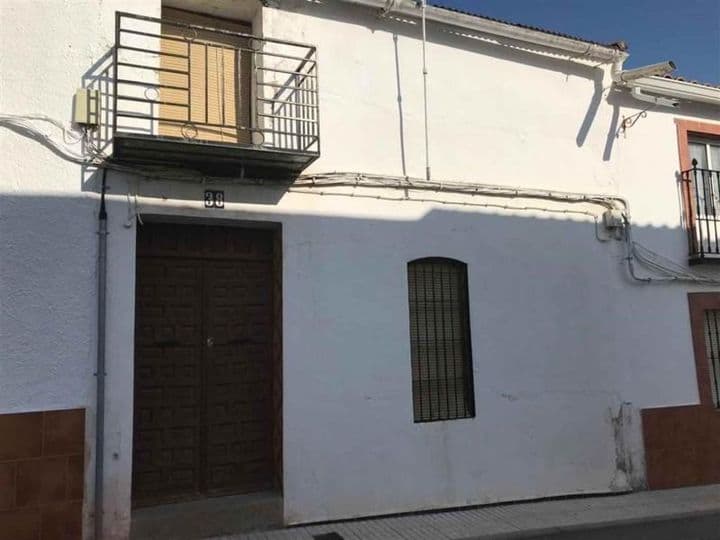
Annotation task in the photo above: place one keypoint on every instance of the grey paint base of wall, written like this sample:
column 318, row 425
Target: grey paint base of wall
column 213, row 516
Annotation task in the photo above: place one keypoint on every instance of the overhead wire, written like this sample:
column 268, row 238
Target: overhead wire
column 667, row 269
column 23, row 125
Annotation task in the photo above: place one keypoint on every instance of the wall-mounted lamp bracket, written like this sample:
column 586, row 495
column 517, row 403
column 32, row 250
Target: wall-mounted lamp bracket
column 630, row 121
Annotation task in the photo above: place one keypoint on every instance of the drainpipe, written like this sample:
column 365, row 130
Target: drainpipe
column 632, row 79
column 100, row 368
column 638, row 94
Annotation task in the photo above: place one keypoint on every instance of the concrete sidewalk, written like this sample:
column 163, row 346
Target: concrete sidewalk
column 561, row 517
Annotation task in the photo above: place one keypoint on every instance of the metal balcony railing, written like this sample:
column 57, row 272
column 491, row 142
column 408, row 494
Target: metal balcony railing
column 195, row 84
column 702, row 210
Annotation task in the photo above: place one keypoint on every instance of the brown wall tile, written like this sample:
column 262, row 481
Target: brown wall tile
column 20, row 436
column 42, row 475
column 41, row 481
column 682, row 446
column 20, row 525
column 7, row 486
column 64, row 432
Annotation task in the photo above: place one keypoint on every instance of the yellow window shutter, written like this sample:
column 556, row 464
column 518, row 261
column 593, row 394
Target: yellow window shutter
column 212, row 72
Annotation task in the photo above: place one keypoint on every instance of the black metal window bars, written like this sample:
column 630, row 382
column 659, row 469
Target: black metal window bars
column 702, row 210
column 154, row 85
column 441, row 356
column 712, row 347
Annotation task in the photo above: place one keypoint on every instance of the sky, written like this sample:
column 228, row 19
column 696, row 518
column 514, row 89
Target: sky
column 685, row 31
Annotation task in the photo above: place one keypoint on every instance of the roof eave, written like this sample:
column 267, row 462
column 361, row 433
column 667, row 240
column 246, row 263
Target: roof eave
column 574, row 47
column 683, row 90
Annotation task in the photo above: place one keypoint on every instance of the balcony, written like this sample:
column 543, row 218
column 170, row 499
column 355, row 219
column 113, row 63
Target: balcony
column 701, row 191
column 218, row 101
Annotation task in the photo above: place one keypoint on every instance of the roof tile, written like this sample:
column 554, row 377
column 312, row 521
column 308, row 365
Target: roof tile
column 620, row 45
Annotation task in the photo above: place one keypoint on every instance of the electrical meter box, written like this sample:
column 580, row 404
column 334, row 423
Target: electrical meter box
column 613, row 219
column 86, row 107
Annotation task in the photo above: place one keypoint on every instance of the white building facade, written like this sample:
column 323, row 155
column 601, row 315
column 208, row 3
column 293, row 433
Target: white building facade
column 374, row 337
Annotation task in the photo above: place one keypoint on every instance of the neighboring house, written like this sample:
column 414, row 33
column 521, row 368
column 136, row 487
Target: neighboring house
column 531, row 312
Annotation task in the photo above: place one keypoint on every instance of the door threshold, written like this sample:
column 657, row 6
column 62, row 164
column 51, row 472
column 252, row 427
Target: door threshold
column 211, row 516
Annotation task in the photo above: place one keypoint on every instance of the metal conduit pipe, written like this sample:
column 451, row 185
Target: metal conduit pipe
column 425, row 89
column 359, row 179
column 100, row 367
column 638, row 94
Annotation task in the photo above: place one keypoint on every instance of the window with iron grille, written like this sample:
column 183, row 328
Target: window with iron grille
column 442, row 378
column 712, row 346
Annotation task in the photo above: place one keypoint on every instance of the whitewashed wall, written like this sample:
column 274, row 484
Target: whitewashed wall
column 48, row 224
column 562, row 339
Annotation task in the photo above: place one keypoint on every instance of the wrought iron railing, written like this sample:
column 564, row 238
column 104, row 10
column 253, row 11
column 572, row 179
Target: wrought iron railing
column 702, row 211
column 201, row 84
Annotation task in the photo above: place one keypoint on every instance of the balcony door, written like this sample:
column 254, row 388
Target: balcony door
column 204, row 78
column 706, row 153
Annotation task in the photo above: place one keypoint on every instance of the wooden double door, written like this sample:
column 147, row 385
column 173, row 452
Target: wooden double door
column 206, row 390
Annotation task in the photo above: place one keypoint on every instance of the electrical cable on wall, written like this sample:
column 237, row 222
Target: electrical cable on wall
column 668, row 270
column 387, row 8
column 23, row 125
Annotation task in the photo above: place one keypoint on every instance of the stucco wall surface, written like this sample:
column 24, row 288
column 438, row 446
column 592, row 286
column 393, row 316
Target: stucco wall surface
column 48, row 224
column 563, row 340
column 566, row 347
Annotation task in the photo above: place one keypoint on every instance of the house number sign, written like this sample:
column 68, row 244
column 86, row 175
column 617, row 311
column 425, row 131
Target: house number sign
column 214, row 199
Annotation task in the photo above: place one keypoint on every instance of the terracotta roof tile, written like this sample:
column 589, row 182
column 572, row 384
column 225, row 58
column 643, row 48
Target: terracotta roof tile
column 620, row 45
column 699, row 83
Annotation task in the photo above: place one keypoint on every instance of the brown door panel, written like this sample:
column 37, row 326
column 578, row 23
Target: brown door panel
column 238, row 317
column 167, row 418
column 204, row 403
